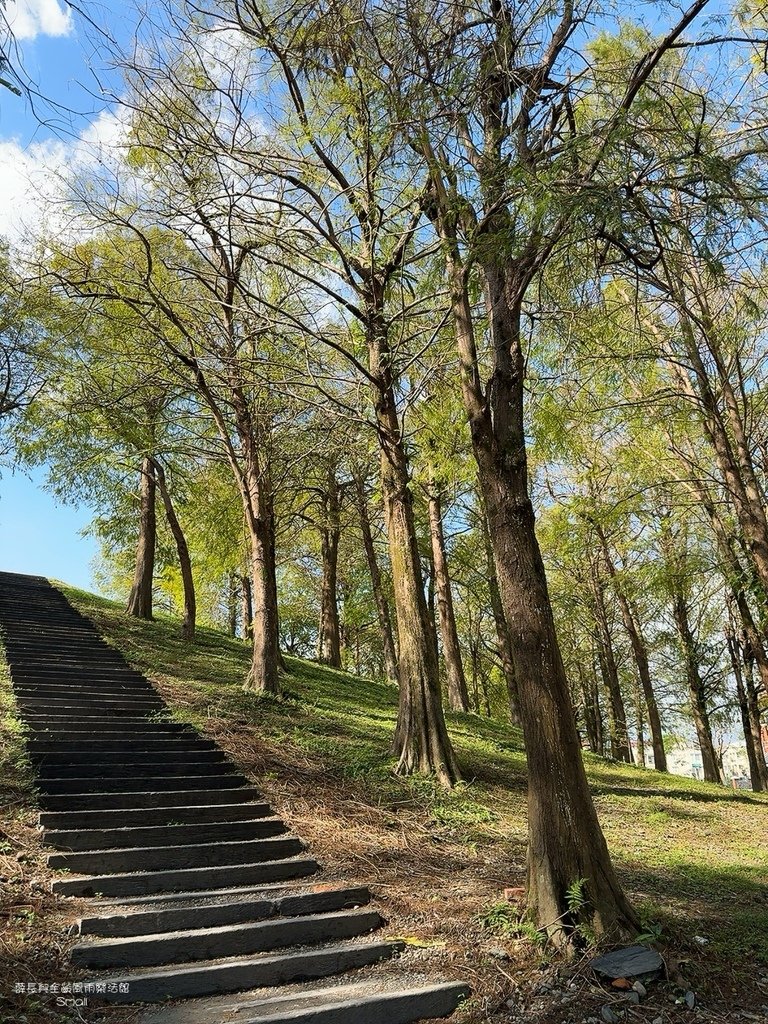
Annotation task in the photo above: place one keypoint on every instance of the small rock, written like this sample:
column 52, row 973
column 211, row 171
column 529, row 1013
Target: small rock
column 498, row 953
column 640, row 988
column 633, row 997
column 609, row 1016
column 690, row 999
column 621, row 983
column 702, row 941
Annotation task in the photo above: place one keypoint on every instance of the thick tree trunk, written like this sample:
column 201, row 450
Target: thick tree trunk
column 421, row 742
column 696, row 690
column 620, row 748
column 182, row 550
column 502, row 629
column 421, row 738
column 246, row 607
column 566, row 842
column 264, row 673
column 140, row 598
column 456, row 683
column 329, row 640
column 379, row 597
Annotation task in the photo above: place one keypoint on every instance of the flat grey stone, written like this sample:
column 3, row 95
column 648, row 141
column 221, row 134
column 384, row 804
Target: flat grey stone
column 628, row 963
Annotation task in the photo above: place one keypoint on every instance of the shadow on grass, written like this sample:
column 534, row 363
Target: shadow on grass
column 726, row 906
column 697, row 796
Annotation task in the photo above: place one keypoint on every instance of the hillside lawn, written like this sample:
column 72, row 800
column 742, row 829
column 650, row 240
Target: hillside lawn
column 693, row 856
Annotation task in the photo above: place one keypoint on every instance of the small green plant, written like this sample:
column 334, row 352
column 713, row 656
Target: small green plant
column 504, row 918
column 652, row 931
column 576, row 896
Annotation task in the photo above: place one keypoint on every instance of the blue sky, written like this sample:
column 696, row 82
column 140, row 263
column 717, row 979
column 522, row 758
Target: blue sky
column 38, row 535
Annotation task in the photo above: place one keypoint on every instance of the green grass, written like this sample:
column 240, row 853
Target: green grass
column 693, row 856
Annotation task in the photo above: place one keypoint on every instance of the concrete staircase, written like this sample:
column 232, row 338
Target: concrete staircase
column 200, row 888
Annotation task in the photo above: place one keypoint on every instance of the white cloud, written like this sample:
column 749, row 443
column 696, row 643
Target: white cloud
column 31, row 18
column 33, row 179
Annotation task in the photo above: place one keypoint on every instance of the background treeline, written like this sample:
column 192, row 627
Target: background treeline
column 363, row 293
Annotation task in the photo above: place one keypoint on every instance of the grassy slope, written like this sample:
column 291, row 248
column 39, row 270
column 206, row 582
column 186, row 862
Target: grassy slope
column 692, row 855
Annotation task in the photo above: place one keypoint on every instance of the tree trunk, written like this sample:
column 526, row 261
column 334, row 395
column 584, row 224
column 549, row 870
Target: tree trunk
column 755, row 720
column 592, row 715
column 456, row 683
column 640, row 720
column 736, row 575
column 232, row 606
column 736, row 652
column 620, row 748
column 140, row 598
column 182, row 550
column 421, row 742
column 264, row 673
column 502, row 629
column 566, row 842
column 431, row 616
column 696, row 690
column 379, row 597
column 246, row 606
column 329, row 640
column 640, row 653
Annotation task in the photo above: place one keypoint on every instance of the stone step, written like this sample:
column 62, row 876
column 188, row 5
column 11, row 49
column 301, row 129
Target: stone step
column 162, row 835
column 55, row 660
column 150, row 816
column 66, row 685
column 58, row 762
column 80, row 693
column 85, row 787
column 230, row 940
column 179, row 898
column 162, row 858
column 246, row 972
column 170, row 745
column 367, row 1002
column 96, row 705
column 90, row 725
column 140, row 883
column 54, row 670
column 95, row 709
column 156, row 766
column 135, row 799
column 234, row 909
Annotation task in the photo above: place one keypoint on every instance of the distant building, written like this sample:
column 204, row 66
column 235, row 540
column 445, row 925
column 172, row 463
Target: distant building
column 685, row 759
